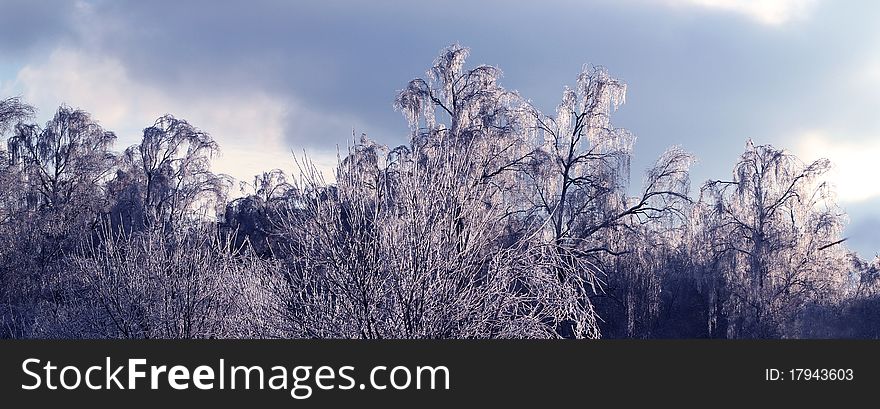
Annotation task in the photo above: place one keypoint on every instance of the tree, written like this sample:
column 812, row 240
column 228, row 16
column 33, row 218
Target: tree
column 466, row 112
column 579, row 179
column 190, row 284
column 64, row 165
column 252, row 216
column 774, row 231
column 12, row 111
column 167, row 179
column 53, row 184
column 12, row 317
column 495, row 220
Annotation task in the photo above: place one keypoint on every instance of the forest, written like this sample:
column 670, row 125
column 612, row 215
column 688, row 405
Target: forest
column 496, row 220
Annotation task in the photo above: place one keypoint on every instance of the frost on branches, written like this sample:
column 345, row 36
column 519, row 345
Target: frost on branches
column 495, row 220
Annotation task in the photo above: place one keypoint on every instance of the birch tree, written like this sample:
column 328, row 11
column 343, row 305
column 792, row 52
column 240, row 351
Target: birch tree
column 580, row 179
column 64, row 163
column 168, row 177
column 775, row 233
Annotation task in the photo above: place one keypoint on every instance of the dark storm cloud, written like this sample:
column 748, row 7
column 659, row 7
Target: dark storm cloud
column 701, row 79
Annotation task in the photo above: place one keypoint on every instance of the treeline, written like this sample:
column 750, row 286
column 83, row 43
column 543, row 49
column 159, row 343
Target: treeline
column 495, row 221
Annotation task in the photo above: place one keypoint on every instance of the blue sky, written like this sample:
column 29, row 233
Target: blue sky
column 272, row 77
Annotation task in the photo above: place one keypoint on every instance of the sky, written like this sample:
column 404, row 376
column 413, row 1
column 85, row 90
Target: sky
column 269, row 79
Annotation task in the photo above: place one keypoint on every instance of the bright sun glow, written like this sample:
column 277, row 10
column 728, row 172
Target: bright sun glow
column 856, row 164
column 770, row 12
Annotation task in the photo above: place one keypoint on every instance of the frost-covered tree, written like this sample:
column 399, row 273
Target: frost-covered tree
column 251, row 216
column 495, row 220
column 467, row 112
column 399, row 248
column 190, row 284
column 582, row 170
column 64, row 163
column 12, row 111
column 583, row 166
column 53, row 186
column 12, row 232
column 167, row 179
column 774, row 238
column 867, row 276
column 417, row 241
column 580, row 177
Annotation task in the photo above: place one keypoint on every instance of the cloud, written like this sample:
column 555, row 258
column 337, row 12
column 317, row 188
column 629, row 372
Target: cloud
column 249, row 125
column 30, row 24
column 864, row 237
column 855, row 164
column 769, row 12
